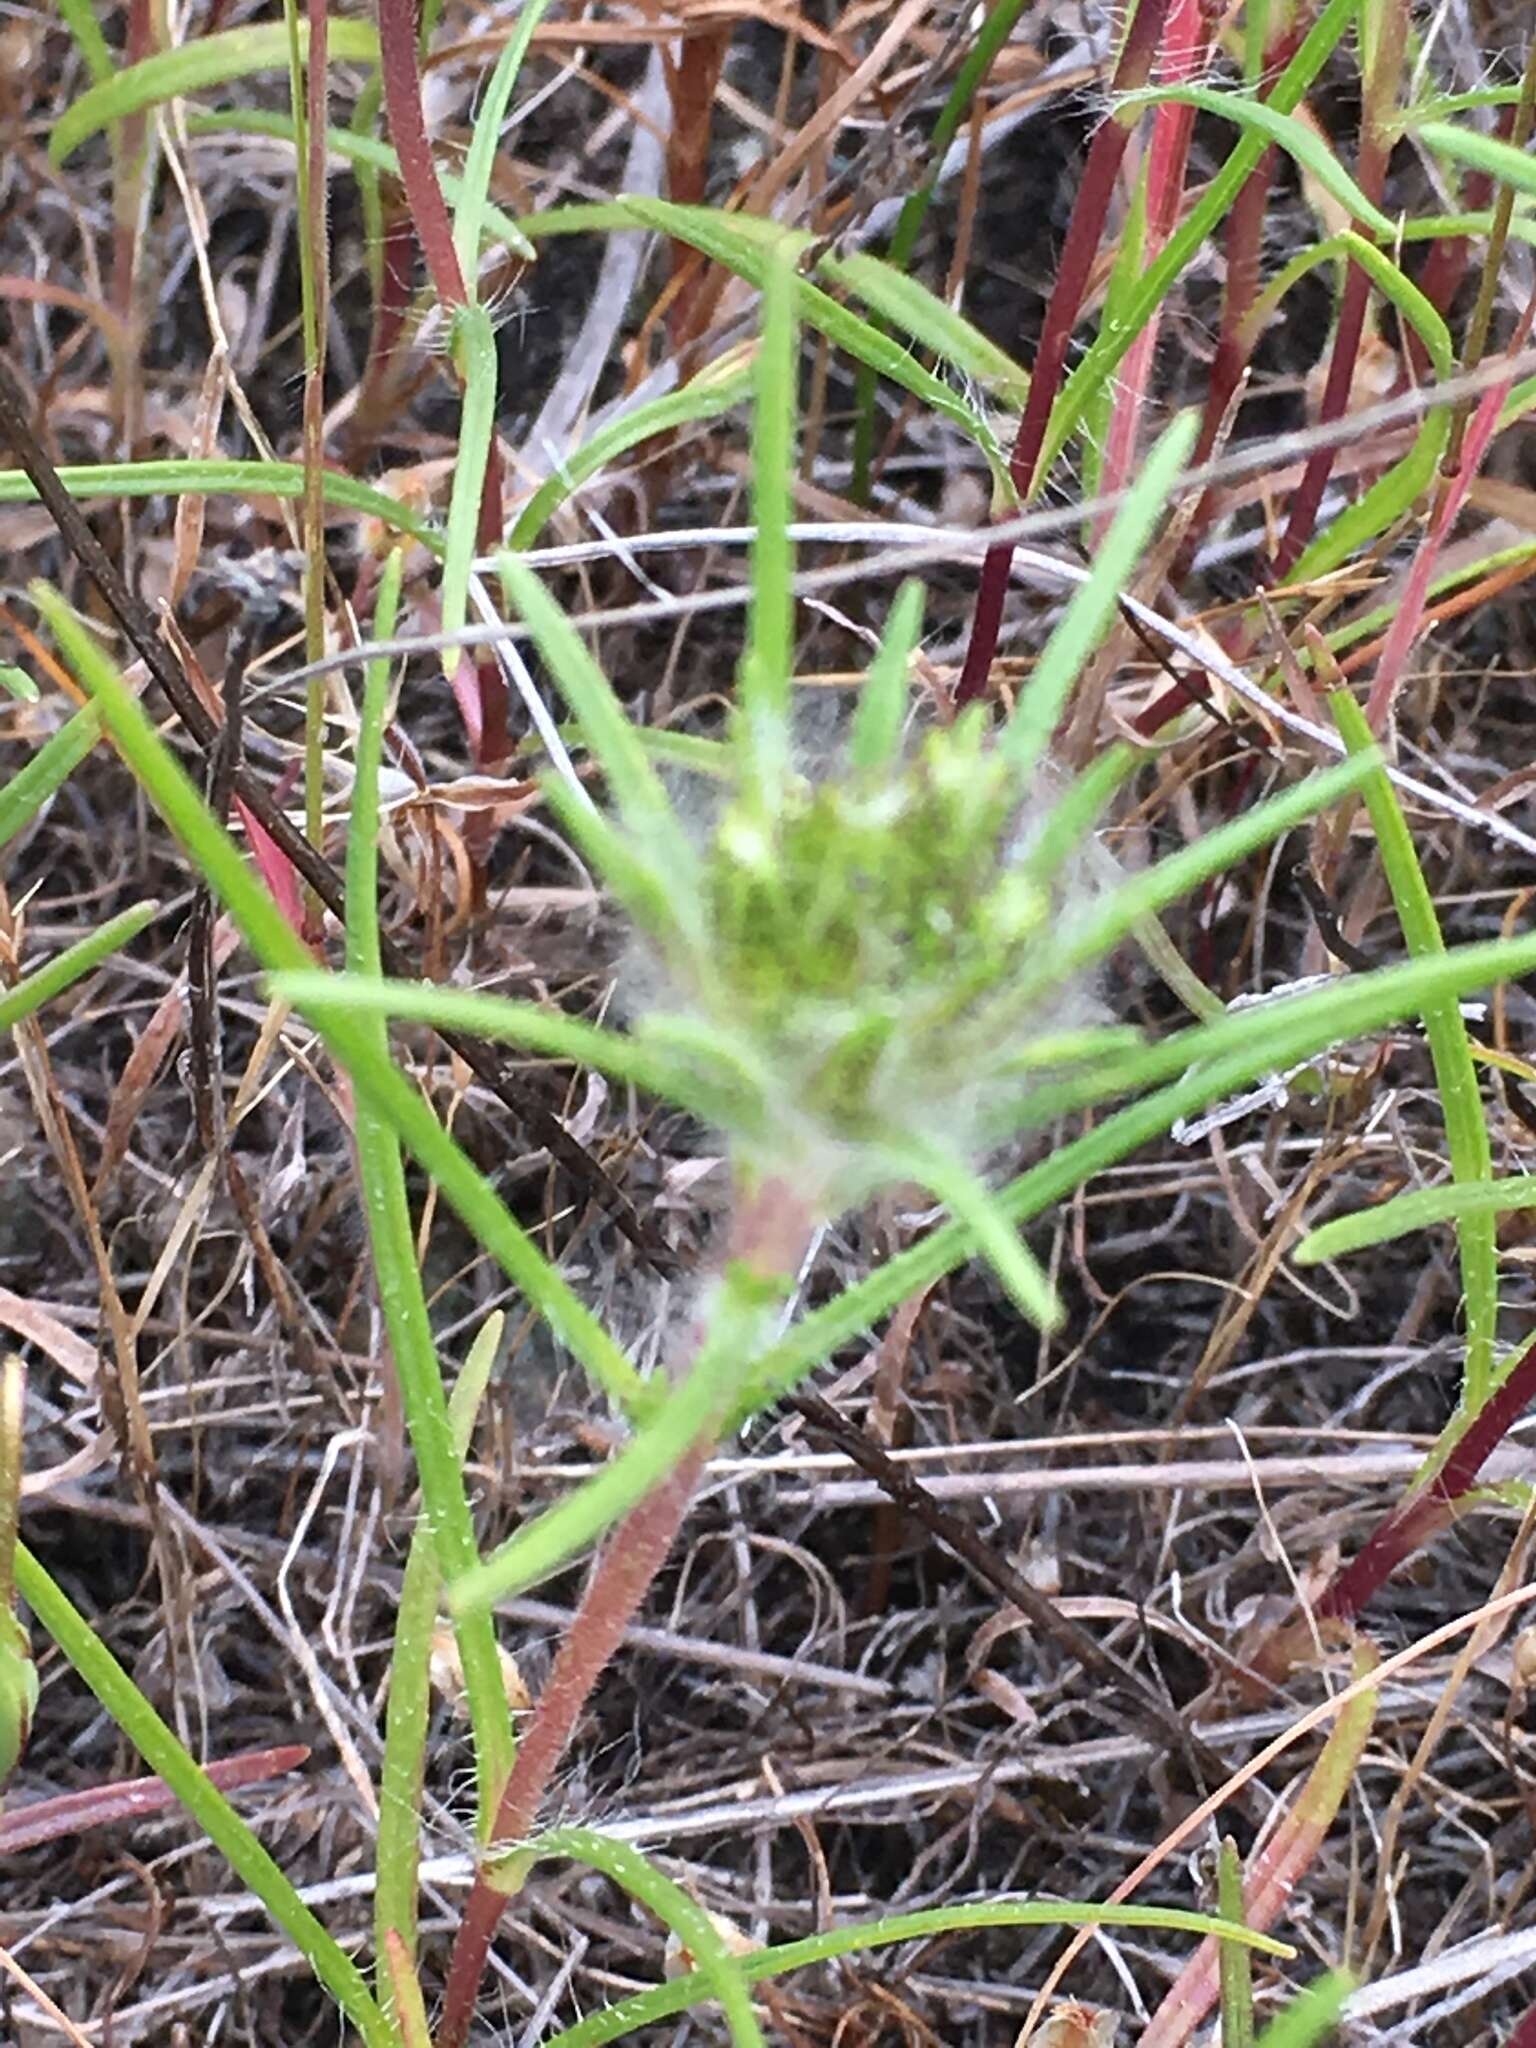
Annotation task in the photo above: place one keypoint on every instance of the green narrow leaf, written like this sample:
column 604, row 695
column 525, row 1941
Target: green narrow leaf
column 1420, row 1210
column 1093, row 604
column 531, row 1026
column 222, row 477
column 1211, row 1061
column 44, row 983
column 206, row 60
column 636, row 787
column 972, row 1203
column 1098, row 931
column 80, row 18
column 1204, row 215
column 48, row 770
column 908, row 305
column 474, row 351
column 1450, row 1050
column 1501, row 160
column 766, row 675
column 1311, row 2017
column 672, row 1906
column 648, row 2007
column 1299, row 141
column 713, row 392
column 485, row 139
column 408, row 1711
column 1236, row 1961
column 366, row 153
column 995, row 31
column 278, row 948
column 745, row 249
column 739, row 1318
column 18, row 1673
column 875, row 741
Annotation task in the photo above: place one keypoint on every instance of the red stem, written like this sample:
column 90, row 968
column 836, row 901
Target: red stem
column 408, row 132
column 1079, row 252
column 69, row 1813
column 1411, row 1525
column 628, row 1564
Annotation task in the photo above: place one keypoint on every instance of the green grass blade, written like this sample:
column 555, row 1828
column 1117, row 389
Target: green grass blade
column 766, row 676
column 529, row 1025
column 911, row 308
column 641, row 885
column 747, row 243
column 225, row 476
column 1092, row 937
column 206, row 60
column 1236, row 1960
column 48, row 770
column 875, row 741
column 1299, row 141
column 1501, row 160
column 764, row 1964
column 672, row 1906
column 79, row 17
column 970, row 1201
column 716, row 390
column 995, row 31
column 1093, row 604
column 1312, row 2017
column 408, row 1712
column 278, row 949
column 1394, row 493
column 1420, row 1210
column 209, row 1808
column 474, row 351
column 485, row 140
column 44, row 983
column 746, row 253
column 1392, row 282
column 1466, row 1127
column 396, row 1259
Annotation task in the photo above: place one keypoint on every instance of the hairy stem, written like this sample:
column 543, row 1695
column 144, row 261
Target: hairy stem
column 628, row 1564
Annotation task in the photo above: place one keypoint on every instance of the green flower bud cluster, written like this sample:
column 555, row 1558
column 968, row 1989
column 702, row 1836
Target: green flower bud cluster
column 871, row 949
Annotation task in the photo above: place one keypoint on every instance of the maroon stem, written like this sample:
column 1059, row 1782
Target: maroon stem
column 70, row 1813
column 1079, row 251
column 1371, row 176
column 628, row 1564
column 408, row 132
column 1411, row 1525
column 1524, row 2035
